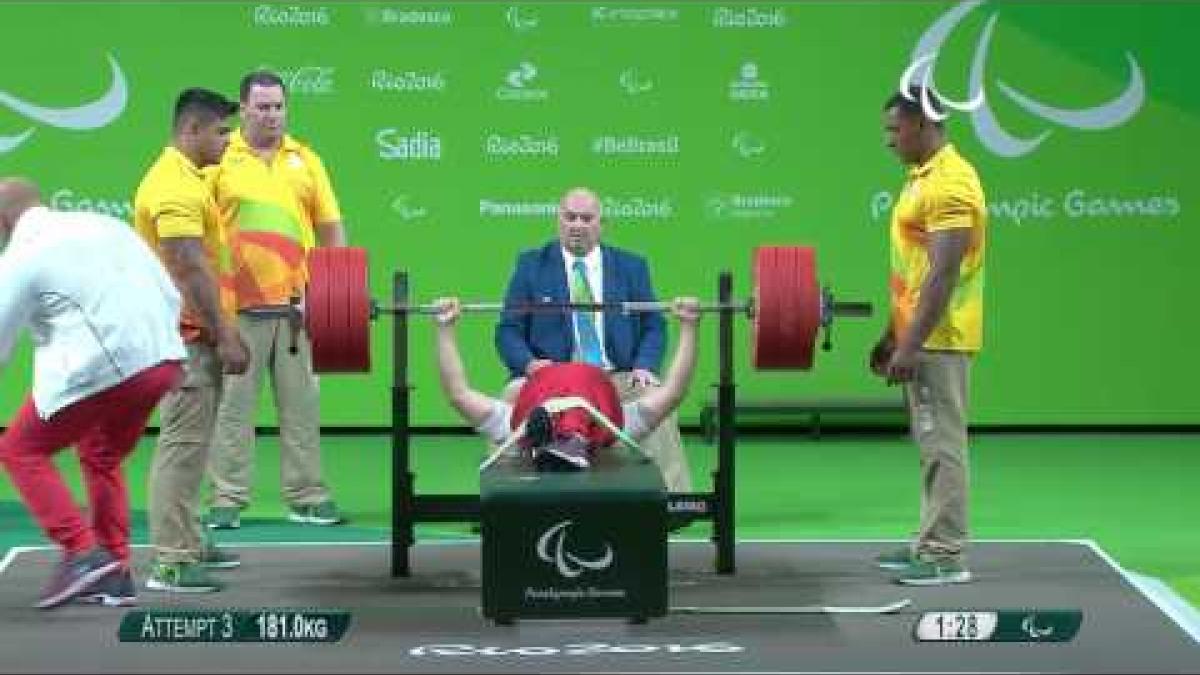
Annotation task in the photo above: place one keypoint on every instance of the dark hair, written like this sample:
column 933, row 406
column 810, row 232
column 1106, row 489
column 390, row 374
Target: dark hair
column 203, row 105
column 910, row 103
column 262, row 78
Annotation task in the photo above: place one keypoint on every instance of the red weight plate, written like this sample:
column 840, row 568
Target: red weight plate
column 787, row 303
column 316, row 307
column 337, row 312
column 358, row 311
column 338, row 309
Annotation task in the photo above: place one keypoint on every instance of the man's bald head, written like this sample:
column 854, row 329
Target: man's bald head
column 16, row 196
column 579, row 220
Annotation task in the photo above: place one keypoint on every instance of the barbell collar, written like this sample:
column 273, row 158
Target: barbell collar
column 851, row 309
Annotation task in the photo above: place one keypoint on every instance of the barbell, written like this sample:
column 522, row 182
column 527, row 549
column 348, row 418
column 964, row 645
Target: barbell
column 788, row 308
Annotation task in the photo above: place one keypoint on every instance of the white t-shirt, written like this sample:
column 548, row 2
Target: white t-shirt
column 98, row 302
column 498, row 425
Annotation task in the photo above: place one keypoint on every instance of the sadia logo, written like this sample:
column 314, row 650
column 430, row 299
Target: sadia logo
column 521, row 19
column 634, row 82
column 552, row 548
column 413, row 146
column 994, row 137
column 748, row 86
column 98, row 113
column 747, row 145
column 518, row 85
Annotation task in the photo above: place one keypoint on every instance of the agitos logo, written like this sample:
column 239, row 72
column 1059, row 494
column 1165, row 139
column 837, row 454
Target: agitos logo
column 93, row 115
column 552, row 548
column 994, row 137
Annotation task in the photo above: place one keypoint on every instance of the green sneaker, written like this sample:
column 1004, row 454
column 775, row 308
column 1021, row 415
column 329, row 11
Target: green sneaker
column 325, row 513
column 934, row 573
column 217, row 558
column 898, row 559
column 182, row 577
column 224, row 518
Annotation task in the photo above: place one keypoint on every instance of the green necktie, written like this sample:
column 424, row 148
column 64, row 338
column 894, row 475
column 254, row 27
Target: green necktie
column 585, row 322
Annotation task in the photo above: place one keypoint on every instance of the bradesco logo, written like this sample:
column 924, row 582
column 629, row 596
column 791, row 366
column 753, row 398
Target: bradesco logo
column 519, row 85
column 742, row 206
column 404, row 17
column 92, row 115
column 552, row 548
column 991, row 134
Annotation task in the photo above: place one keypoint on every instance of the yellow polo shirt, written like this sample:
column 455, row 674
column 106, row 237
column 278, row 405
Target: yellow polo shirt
column 269, row 211
column 175, row 199
column 942, row 194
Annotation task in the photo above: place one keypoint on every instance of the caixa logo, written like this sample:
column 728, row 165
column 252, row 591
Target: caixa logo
column 988, row 129
column 410, row 146
column 85, row 116
column 552, row 547
column 520, row 84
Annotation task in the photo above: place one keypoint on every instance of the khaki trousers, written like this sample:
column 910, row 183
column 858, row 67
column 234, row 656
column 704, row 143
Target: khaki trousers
column 297, row 404
column 186, row 416
column 937, row 403
column 664, row 445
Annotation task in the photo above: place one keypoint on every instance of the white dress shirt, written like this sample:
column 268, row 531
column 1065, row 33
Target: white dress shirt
column 593, row 263
column 99, row 304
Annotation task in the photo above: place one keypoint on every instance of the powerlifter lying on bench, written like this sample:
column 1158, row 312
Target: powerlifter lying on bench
column 565, row 412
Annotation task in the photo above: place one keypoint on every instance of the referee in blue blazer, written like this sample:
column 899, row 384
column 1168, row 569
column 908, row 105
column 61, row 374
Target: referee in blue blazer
column 578, row 268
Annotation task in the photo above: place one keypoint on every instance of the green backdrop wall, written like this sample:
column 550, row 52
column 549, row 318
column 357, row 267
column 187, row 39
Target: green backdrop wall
column 450, row 129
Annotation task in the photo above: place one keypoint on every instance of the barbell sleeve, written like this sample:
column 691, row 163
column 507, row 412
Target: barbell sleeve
column 630, row 307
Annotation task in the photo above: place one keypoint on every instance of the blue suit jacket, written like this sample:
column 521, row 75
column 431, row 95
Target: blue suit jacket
column 630, row 340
